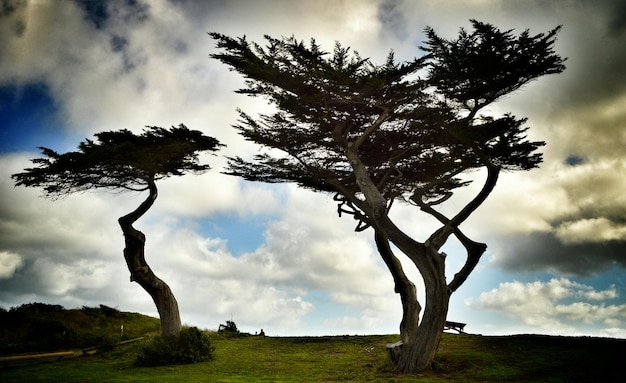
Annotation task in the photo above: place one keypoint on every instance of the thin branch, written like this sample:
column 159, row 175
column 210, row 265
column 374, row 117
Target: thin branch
column 369, row 131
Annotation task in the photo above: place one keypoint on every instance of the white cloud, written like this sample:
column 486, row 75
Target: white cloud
column 307, row 248
column 587, row 313
column 521, row 203
column 60, row 279
column 613, row 332
column 9, row 263
column 212, row 192
column 556, row 306
column 590, row 230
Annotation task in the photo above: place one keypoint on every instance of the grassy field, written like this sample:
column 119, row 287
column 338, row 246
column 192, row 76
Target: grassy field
column 461, row 358
column 240, row 358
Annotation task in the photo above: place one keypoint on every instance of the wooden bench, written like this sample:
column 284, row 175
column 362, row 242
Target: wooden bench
column 394, row 351
column 456, row 326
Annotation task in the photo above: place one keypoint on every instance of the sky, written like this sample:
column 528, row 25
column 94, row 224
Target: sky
column 278, row 257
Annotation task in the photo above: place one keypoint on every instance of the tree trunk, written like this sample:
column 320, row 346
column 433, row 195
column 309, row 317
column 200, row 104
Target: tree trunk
column 141, row 273
column 418, row 353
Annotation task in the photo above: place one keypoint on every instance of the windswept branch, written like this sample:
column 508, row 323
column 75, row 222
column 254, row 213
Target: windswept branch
column 133, row 216
column 492, row 178
column 369, row 131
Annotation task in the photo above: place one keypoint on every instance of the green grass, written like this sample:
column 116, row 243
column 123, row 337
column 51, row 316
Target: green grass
column 461, row 358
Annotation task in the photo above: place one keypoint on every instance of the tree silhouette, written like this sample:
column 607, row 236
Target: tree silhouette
column 119, row 161
column 406, row 132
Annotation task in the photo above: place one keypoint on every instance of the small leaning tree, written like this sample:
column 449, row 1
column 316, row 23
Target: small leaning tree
column 123, row 161
column 373, row 135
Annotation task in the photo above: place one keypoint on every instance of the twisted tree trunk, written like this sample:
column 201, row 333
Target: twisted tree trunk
column 418, row 354
column 419, row 339
column 141, row 273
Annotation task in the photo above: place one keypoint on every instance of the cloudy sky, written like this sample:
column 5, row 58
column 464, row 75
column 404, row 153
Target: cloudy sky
column 277, row 257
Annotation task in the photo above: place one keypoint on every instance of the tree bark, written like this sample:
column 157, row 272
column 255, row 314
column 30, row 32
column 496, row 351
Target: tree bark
column 141, row 273
column 404, row 287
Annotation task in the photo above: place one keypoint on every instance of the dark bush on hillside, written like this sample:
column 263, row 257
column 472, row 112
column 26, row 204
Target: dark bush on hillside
column 230, row 327
column 37, row 308
column 191, row 346
column 19, row 333
column 103, row 310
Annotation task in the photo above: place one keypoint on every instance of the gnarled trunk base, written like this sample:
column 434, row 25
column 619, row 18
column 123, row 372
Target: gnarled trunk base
column 418, row 353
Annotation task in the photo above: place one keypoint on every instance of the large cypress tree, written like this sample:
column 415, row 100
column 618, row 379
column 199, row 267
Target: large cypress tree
column 406, row 133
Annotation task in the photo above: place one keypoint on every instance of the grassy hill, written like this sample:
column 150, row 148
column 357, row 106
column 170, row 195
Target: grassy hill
column 461, row 358
column 38, row 327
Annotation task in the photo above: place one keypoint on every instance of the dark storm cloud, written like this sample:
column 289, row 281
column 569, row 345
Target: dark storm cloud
column 391, row 16
column 592, row 39
column 616, row 11
column 584, row 120
column 539, row 252
column 11, row 23
column 598, row 58
column 585, row 232
column 96, row 12
column 100, row 12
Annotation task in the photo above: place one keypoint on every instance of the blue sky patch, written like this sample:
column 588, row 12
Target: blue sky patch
column 28, row 118
column 573, row 160
column 244, row 234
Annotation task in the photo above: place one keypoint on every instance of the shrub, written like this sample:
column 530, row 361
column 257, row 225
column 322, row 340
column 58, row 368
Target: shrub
column 191, row 346
column 230, row 328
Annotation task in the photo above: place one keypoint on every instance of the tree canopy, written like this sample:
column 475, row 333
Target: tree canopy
column 119, row 160
column 414, row 134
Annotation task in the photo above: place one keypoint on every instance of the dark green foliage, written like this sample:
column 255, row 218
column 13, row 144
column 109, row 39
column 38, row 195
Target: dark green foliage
column 230, row 326
column 230, row 330
column 34, row 326
column 119, row 160
column 477, row 67
column 36, row 308
column 191, row 346
column 414, row 134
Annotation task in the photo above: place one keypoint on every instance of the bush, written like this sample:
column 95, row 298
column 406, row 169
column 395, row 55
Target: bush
column 229, row 329
column 191, row 346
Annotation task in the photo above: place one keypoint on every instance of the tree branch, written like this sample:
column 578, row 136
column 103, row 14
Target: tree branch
column 492, row 178
column 133, row 216
column 475, row 250
column 376, row 202
column 379, row 121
